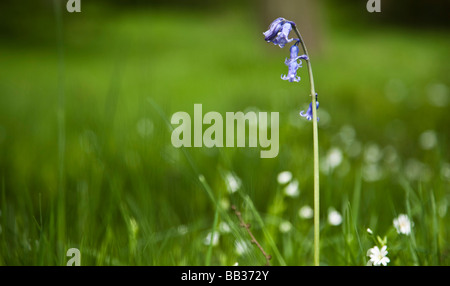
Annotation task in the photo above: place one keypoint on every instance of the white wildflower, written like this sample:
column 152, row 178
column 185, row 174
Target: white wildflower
column 334, row 217
column 334, row 157
column 285, row 227
column 284, row 177
column 378, row 256
column 233, row 183
column 212, row 238
column 291, row 190
column 241, row 247
column 402, row 224
column 306, row 212
column 224, row 227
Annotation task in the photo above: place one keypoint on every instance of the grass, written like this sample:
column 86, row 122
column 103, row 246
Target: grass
column 129, row 198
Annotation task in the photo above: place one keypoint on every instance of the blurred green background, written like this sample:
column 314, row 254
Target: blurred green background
column 86, row 159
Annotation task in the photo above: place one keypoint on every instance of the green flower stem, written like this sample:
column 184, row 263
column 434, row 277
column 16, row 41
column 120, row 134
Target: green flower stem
column 316, row 156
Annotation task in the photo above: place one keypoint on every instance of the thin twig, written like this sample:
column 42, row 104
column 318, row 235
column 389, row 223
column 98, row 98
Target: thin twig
column 247, row 227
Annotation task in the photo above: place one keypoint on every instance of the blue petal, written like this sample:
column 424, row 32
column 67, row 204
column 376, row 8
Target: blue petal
column 309, row 113
column 274, row 29
column 294, row 51
column 281, row 38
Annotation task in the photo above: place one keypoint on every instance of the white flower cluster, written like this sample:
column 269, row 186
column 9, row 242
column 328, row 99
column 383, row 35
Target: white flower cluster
column 291, row 189
column 378, row 256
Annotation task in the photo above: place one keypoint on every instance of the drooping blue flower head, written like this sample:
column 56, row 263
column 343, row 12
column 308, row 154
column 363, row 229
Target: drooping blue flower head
column 278, row 32
column 293, row 64
column 309, row 113
column 274, row 28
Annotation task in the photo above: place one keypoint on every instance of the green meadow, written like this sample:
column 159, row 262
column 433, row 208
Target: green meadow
column 86, row 159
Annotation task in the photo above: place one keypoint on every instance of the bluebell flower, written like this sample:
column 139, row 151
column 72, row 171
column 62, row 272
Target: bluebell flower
column 309, row 113
column 278, row 32
column 293, row 64
column 274, row 28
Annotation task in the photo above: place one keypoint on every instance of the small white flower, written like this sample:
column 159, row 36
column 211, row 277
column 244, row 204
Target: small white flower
column 224, row 227
column 306, row 212
column 284, row 177
column 334, row 157
column 212, row 238
column 233, row 183
column 403, row 224
column 332, row 160
column 369, row 231
column 378, row 256
column 236, row 264
column 334, row 217
column 285, row 227
column 240, row 247
column 291, row 190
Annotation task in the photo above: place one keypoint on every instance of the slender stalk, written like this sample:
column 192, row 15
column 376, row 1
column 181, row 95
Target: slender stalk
column 247, row 227
column 316, row 156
